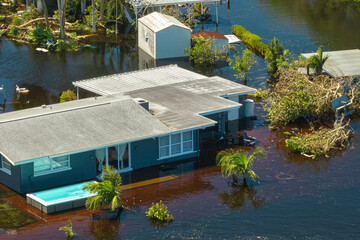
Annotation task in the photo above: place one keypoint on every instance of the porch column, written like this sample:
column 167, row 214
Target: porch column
column 107, row 156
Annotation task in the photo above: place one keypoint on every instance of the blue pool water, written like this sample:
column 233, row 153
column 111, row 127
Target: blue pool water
column 62, row 194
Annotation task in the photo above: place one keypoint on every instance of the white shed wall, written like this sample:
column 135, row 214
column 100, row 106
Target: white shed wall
column 172, row 42
column 146, row 39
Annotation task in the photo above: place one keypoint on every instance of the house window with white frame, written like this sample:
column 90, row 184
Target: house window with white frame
column 175, row 144
column 5, row 165
column 47, row 165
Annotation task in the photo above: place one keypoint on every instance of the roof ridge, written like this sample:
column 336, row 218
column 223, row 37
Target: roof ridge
column 126, row 73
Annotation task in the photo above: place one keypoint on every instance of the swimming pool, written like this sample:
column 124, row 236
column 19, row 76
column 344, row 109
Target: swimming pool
column 59, row 199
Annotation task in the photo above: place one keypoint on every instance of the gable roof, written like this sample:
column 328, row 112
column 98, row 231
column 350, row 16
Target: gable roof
column 75, row 126
column 157, row 22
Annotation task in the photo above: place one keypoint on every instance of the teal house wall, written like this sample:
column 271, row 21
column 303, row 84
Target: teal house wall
column 83, row 168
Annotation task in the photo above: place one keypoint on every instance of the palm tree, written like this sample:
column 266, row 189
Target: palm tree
column 108, row 193
column 238, row 163
column 316, row 62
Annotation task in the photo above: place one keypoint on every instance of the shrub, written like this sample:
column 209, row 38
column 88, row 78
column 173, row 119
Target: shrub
column 13, row 32
column 80, row 27
column 242, row 63
column 67, row 96
column 2, row 18
column 203, row 52
column 16, row 21
column 32, row 14
column 250, row 40
column 259, row 95
column 68, row 229
column 159, row 212
column 39, row 35
column 320, row 142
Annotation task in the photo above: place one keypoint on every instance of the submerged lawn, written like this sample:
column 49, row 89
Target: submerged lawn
column 12, row 217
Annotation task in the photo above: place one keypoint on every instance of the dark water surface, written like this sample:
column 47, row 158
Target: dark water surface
column 319, row 201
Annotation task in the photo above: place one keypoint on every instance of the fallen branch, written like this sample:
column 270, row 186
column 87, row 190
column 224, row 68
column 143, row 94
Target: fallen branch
column 39, row 20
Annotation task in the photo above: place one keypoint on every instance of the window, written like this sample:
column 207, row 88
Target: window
column 5, row 165
column 175, row 144
column 48, row 165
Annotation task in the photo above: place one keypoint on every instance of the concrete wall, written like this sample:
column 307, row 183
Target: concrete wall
column 149, row 45
column 83, row 168
column 172, row 42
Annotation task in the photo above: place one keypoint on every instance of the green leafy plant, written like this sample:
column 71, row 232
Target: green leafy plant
column 108, row 193
column 67, row 96
column 13, row 32
column 252, row 41
column 259, row 95
column 238, row 164
column 203, row 52
column 242, row 63
column 17, row 21
column 159, row 212
column 68, row 229
column 39, row 35
column 274, row 56
column 316, row 62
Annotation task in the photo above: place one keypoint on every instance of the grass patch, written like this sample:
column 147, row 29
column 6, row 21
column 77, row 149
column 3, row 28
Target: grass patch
column 12, row 218
column 4, row 193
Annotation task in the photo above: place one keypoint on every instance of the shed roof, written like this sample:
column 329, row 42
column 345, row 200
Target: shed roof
column 75, row 126
column 209, row 35
column 157, row 22
column 341, row 63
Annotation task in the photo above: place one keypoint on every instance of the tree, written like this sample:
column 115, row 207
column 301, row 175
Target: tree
column 238, row 163
column 46, row 15
column 316, row 62
column 274, row 54
column 62, row 9
column 108, row 193
column 67, row 96
column 203, row 52
column 242, row 63
column 93, row 16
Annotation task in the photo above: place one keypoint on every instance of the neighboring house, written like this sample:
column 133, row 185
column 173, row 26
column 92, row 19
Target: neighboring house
column 144, row 118
column 162, row 36
column 218, row 39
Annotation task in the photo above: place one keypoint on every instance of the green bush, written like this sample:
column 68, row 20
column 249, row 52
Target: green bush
column 67, row 96
column 260, row 95
column 81, row 27
column 17, row 21
column 274, row 56
column 67, row 45
column 2, row 17
column 250, row 40
column 159, row 212
column 242, row 63
column 39, row 35
column 68, row 230
column 202, row 52
column 13, row 32
column 32, row 14
column 297, row 145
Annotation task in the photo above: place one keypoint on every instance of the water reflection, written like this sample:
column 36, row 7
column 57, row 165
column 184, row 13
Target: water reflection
column 105, row 229
column 332, row 23
column 239, row 196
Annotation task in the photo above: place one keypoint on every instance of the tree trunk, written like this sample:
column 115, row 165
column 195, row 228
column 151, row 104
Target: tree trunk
column 93, row 16
column 245, row 182
column 120, row 209
column 102, row 9
column 46, row 15
column 60, row 8
column 83, row 6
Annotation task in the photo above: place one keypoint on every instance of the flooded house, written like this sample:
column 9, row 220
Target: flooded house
column 140, row 119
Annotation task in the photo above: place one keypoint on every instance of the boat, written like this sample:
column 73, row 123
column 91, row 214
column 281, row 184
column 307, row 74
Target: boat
column 19, row 90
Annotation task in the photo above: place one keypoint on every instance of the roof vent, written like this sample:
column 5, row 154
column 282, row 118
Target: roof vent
column 43, row 106
column 143, row 103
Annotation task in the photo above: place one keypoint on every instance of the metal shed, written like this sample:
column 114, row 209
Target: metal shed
column 162, row 36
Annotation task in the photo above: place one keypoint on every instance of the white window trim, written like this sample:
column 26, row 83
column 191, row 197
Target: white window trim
column 5, row 170
column 181, row 145
column 54, row 170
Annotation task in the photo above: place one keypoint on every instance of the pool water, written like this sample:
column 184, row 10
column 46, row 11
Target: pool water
column 62, row 194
